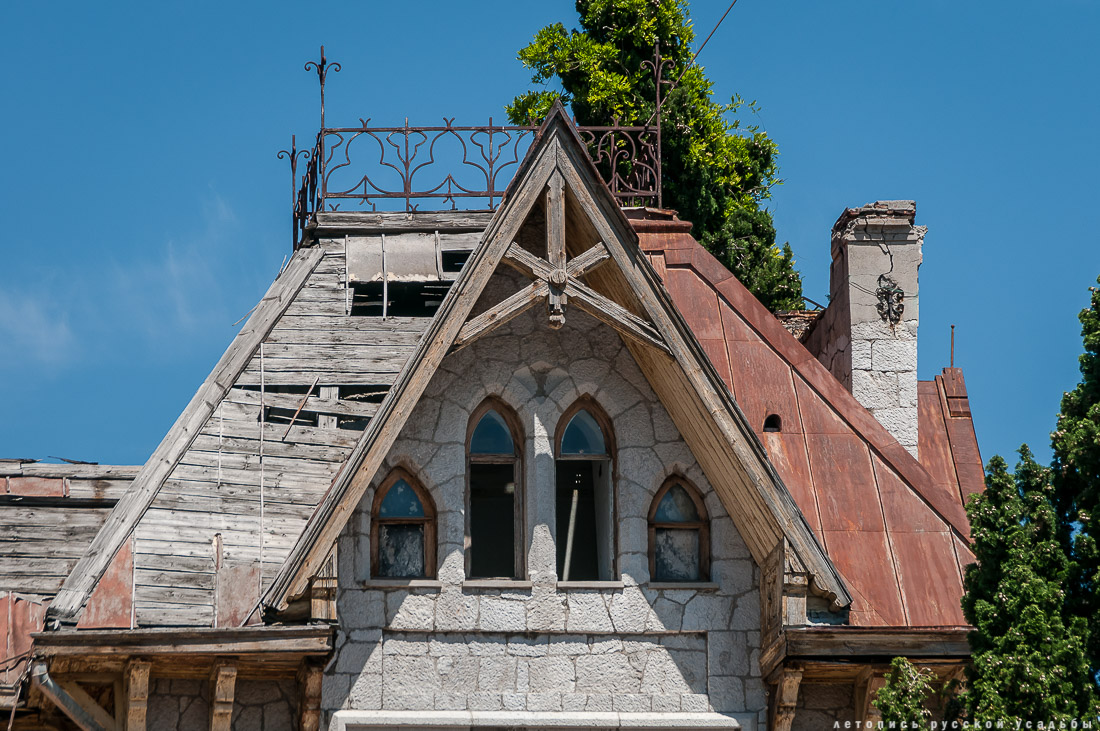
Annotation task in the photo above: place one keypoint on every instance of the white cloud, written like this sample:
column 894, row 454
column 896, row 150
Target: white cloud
column 34, row 328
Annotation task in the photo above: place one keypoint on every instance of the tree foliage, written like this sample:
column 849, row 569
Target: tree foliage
column 1076, row 442
column 901, row 700
column 717, row 173
column 1027, row 654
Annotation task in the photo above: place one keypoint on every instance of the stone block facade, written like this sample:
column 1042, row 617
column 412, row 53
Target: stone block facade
column 184, row 705
column 627, row 645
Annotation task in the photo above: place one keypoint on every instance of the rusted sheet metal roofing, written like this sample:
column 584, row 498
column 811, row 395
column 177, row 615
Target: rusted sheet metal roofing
column 896, row 530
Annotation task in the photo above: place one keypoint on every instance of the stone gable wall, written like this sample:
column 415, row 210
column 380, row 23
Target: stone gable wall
column 536, row 646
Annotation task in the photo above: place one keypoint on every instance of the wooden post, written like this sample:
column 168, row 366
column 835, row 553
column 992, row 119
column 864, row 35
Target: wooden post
column 555, row 247
column 786, row 698
column 866, row 690
column 137, row 694
column 309, row 697
column 223, row 681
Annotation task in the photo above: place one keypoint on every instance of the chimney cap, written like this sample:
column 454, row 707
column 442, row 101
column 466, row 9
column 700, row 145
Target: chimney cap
column 878, row 209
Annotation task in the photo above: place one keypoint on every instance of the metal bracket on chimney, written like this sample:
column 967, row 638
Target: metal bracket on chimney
column 891, row 300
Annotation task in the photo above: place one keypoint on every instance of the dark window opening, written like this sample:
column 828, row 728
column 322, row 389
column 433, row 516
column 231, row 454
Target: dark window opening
column 773, row 423
column 403, row 299
column 352, row 423
column 492, row 520
column 585, row 503
column 583, row 520
column 495, row 509
column 453, row 261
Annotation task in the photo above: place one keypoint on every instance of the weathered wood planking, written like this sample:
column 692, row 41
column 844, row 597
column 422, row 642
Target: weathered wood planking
column 128, row 513
column 39, row 545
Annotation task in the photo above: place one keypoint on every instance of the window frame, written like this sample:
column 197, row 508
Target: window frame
column 702, row 525
column 511, row 420
column 589, row 404
column 428, row 521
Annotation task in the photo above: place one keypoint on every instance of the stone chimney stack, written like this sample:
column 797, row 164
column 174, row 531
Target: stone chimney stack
column 868, row 334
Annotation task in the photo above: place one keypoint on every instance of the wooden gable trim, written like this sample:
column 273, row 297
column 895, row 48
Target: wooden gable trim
column 673, row 361
column 78, row 586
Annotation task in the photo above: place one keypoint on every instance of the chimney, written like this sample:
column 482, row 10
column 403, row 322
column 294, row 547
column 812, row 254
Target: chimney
column 868, row 334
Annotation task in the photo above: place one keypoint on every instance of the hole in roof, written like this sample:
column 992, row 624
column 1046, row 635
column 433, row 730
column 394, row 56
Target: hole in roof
column 773, row 423
column 492, row 436
column 583, row 436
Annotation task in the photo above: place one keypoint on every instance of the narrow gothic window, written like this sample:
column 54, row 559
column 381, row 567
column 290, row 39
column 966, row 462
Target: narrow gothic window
column 585, row 496
column 402, row 529
column 494, row 528
column 679, row 535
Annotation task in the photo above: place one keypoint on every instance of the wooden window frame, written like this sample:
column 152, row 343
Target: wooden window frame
column 589, row 404
column 428, row 521
column 519, row 526
column 702, row 525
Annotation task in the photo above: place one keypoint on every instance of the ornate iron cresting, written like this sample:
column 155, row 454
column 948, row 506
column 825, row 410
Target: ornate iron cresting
column 448, row 167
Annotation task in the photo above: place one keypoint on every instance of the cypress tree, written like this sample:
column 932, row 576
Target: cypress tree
column 717, row 173
column 1076, row 465
column 1028, row 656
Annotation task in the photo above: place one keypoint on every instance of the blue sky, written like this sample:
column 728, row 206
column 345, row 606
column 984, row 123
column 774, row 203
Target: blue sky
column 145, row 211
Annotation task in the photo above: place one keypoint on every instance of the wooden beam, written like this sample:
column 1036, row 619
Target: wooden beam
column 555, row 248
column 223, row 681
column 137, row 694
column 124, row 518
column 587, row 261
column 206, row 641
column 867, row 686
column 500, row 313
column 526, row 262
column 89, row 704
column 786, row 698
column 309, row 697
column 624, row 321
column 886, row 643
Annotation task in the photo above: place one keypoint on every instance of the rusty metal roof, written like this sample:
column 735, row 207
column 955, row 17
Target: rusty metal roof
column 894, row 527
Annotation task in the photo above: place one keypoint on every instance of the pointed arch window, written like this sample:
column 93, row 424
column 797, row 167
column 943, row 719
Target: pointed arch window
column 585, row 495
column 402, row 529
column 494, row 500
column 679, row 533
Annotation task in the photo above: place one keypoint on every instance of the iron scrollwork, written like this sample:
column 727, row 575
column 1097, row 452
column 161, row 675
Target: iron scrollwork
column 891, row 300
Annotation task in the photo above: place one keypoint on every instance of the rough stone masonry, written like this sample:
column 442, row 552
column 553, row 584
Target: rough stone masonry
column 626, row 646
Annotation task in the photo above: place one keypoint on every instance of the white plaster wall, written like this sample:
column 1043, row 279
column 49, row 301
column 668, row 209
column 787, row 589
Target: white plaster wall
column 536, row 646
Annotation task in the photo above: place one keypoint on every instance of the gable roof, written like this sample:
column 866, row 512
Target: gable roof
column 897, row 535
column 657, row 336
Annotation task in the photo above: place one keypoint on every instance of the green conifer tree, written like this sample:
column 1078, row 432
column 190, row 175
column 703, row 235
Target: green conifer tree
column 901, row 700
column 717, row 173
column 1028, row 657
column 1076, row 443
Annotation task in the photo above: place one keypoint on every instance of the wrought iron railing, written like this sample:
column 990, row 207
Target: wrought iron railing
column 449, row 167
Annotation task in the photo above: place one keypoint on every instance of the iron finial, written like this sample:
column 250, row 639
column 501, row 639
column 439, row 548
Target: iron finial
column 322, row 68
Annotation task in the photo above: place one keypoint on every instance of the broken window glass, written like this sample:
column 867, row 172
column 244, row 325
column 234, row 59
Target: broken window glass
column 403, row 532
column 678, row 529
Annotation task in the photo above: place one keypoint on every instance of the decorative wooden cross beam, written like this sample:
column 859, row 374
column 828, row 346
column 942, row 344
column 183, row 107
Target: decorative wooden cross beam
column 558, row 281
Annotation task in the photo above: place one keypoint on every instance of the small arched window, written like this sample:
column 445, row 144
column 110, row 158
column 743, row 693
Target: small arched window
column 494, row 507
column 679, row 533
column 773, row 423
column 585, row 495
column 402, row 529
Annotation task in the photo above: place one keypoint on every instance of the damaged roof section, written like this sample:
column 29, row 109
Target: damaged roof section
column 49, row 514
